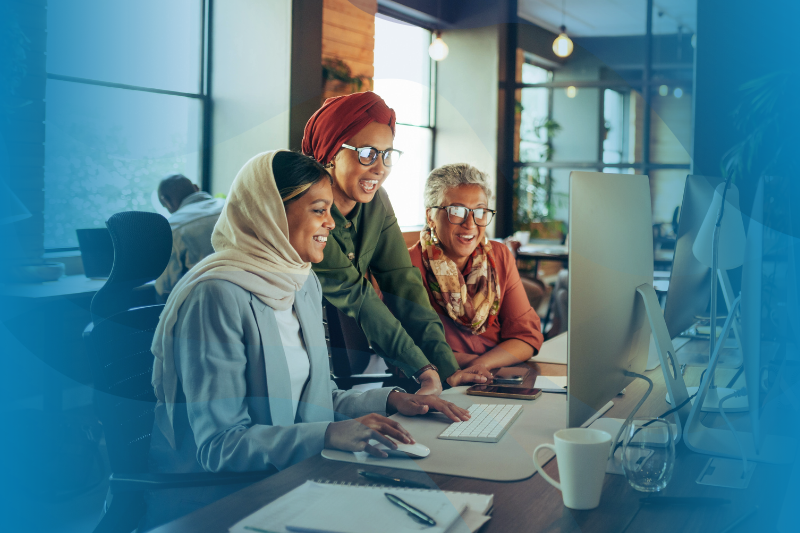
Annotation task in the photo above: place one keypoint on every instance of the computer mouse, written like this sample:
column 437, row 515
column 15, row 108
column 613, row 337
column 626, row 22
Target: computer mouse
column 415, row 451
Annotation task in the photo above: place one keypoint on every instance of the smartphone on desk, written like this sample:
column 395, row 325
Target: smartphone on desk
column 500, row 391
column 509, row 375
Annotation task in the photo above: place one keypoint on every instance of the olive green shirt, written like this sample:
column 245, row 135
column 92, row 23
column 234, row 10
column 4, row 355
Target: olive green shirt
column 402, row 328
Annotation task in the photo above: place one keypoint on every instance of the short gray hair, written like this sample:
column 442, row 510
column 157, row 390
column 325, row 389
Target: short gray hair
column 446, row 177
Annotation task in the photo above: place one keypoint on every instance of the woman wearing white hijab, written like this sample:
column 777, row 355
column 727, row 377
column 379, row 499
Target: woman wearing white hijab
column 241, row 372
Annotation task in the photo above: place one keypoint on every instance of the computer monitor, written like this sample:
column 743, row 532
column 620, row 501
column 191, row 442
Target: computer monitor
column 769, row 280
column 97, row 252
column 767, row 343
column 688, row 292
column 610, row 256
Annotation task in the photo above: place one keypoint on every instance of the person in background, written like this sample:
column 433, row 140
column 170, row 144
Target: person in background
column 472, row 282
column 241, row 368
column 353, row 137
column 193, row 216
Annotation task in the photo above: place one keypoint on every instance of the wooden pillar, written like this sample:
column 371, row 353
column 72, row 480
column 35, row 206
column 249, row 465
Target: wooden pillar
column 306, row 78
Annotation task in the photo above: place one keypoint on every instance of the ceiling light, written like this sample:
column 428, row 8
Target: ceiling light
column 571, row 91
column 562, row 46
column 678, row 92
column 438, row 49
column 663, row 90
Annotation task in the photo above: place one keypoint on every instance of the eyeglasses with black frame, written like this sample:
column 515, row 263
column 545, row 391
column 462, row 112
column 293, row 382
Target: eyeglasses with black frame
column 457, row 214
column 367, row 155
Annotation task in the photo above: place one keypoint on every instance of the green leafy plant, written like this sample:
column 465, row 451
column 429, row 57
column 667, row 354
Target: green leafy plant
column 338, row 70
column 534, row 201
column 767, row 116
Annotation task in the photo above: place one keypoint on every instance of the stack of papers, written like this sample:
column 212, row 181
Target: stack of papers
column 551, row 383
column 329, row 508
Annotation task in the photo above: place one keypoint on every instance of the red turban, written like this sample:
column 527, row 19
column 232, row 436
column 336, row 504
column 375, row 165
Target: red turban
column 339, row 119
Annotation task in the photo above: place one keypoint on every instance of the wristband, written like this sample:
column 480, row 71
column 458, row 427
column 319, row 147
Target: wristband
column 422, row 370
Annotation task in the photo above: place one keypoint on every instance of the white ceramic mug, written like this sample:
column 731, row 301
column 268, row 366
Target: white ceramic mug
column 582, row 456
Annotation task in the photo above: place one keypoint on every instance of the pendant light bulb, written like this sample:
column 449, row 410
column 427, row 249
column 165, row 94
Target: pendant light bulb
column 438, row 49
column 562, row 46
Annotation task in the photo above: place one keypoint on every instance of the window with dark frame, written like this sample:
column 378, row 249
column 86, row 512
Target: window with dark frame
column 541, row 179
column 405, row 77
column 126, row 100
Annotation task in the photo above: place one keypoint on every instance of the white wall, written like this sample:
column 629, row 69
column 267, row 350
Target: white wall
column 250, row 83
column 466, row 105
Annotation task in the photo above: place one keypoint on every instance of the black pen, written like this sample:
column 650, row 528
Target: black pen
column 393, row 480
column 415, row 513
column 665, row 500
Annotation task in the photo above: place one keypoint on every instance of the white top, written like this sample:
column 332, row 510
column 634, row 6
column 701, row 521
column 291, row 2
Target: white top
column 296, row 354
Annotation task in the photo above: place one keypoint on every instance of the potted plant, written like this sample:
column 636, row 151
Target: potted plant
column 534, row 202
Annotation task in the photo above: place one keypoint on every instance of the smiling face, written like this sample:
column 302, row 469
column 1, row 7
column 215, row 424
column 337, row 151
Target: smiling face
column 310, row 221
column 354, row 182
column 459, row 241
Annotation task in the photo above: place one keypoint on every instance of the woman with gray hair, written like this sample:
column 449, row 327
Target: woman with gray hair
column 472, row 282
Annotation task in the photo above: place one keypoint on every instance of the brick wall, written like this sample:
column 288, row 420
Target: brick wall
column 348, row 34
column 22, row 126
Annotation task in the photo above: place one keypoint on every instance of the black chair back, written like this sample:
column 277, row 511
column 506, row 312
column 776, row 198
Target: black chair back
column 349, row 350
column 119, row 343
column 142, row 246
column 119, row 352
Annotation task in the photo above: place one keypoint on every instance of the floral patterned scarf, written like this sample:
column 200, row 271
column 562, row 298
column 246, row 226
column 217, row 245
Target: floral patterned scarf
column 473, row 302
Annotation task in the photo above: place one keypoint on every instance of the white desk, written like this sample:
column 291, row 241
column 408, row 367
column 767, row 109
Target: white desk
column 507, row 460
column 64, row 287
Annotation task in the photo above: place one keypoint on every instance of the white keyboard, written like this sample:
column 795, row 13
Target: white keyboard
column 489, row 423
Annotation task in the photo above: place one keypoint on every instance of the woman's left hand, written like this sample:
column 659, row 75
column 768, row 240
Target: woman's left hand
column 416, row 404
column 473, row 374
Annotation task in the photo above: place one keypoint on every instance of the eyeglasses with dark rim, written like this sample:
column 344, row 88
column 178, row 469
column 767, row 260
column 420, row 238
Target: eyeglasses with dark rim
column 457, row 214
column 367, row 155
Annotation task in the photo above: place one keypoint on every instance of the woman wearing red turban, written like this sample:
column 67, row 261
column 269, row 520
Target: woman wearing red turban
column 353, row 137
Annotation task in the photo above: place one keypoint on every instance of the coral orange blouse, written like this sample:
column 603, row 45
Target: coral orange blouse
column 515, row 320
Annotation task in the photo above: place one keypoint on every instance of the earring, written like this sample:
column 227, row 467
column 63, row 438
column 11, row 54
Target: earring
column 434, row 238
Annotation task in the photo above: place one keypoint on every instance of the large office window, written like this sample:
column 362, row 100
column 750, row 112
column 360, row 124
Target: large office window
column 534, row 199
column 124, row 107
column 403, row 77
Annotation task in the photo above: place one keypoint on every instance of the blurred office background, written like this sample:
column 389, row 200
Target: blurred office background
column 103, row 98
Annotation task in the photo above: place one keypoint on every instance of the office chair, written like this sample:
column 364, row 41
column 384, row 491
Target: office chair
column 142, row 246
column 349, row 350
column 122, row 364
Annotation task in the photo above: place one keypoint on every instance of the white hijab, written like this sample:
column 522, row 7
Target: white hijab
column 252, row 250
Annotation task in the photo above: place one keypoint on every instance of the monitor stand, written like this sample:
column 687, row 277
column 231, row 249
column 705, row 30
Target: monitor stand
column 676, row 388
column 774, row 449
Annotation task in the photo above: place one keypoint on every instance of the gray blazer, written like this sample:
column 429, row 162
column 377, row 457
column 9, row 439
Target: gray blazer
column 234, row 380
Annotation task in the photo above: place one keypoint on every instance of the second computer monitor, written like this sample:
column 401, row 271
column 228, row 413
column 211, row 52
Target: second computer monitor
column 688, row 293
column 610, row 255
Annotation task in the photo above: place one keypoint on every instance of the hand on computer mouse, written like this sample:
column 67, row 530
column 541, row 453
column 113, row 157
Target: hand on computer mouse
column 353, row 436
column 387, row 426
column 415, row 404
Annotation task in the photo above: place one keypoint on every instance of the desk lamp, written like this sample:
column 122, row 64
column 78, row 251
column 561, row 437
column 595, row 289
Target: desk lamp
column 720, row 246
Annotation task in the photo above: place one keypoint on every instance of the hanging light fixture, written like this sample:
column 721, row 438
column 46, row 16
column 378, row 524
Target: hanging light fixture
column 438, row 49
column 562, row 46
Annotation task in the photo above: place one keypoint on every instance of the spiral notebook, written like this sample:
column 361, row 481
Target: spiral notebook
column 321, row 507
